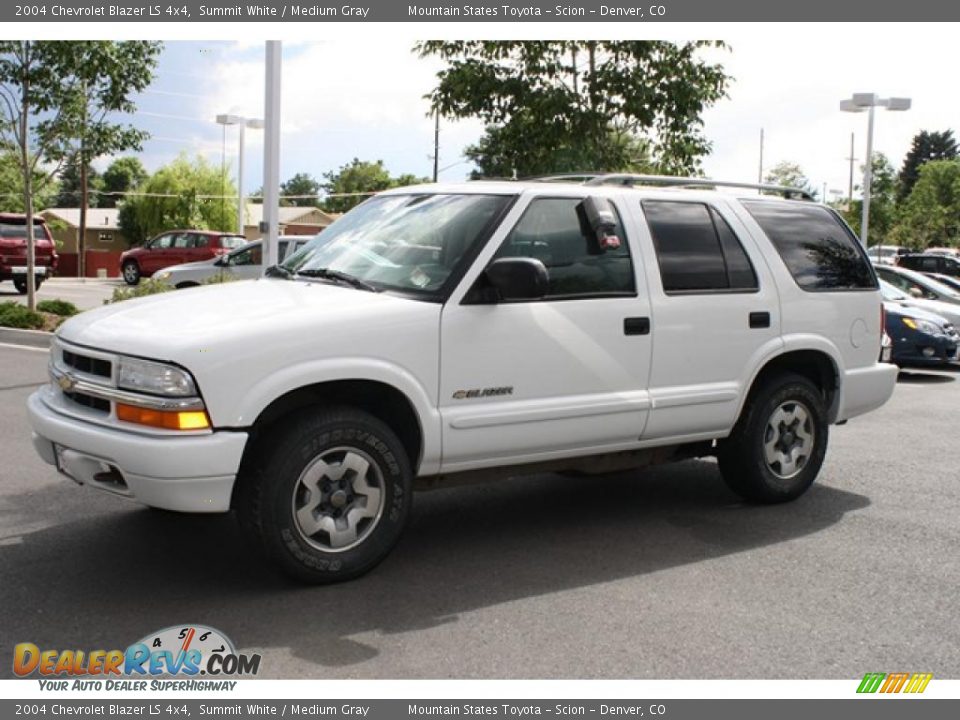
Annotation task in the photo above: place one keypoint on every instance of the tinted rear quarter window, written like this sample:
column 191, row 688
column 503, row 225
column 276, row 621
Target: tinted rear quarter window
column 818, row 249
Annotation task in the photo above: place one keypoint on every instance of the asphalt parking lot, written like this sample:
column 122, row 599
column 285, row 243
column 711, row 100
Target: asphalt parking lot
column 662, row 574
column 85, row 294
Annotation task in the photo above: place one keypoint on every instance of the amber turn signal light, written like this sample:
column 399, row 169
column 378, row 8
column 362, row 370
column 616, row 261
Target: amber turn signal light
column 166, row 419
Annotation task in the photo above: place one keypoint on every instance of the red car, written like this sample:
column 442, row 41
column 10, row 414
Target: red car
column 13, row 250
column 175, row 247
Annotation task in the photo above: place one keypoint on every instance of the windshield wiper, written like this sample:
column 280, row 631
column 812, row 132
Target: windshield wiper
column 328, row 274
column 277, row 271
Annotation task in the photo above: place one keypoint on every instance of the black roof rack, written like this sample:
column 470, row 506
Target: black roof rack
column 630, row 179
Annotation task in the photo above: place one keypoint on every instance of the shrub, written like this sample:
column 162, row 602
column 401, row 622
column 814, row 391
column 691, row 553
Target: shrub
column 58, row 307
column 146, row 287
column 220, row 278
column 14, row 315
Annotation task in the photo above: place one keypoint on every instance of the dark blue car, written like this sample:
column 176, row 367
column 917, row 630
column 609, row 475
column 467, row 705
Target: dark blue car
column 920, row 338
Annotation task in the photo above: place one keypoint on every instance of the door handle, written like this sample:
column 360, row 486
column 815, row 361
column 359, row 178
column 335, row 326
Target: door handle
column 759, row 320
column 636, row 326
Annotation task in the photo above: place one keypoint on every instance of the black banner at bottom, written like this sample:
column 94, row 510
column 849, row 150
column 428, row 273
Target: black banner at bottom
column 868, row 708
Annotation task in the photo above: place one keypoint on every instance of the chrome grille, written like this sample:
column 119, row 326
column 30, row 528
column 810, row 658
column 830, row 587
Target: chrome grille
column 87, row 364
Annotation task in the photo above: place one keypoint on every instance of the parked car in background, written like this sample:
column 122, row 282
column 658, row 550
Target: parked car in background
column 950, row 282
column 175, row 247
column 244, row 263
column 943, row 264
column 948, row 251
column 13, row 250
column 948, row 311
column 886, row 254
column 919, row 338
column 917, row 284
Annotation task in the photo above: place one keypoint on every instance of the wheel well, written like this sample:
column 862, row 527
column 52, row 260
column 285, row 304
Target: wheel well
column 383, row 401
column 187, row 284
column 816, row 366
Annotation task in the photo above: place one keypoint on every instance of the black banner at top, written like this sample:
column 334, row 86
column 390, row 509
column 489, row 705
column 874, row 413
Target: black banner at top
column 609, row 11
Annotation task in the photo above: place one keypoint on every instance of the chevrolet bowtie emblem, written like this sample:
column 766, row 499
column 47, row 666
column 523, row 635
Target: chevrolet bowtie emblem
column 65, row 382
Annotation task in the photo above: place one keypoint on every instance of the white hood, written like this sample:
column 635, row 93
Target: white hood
column 237, row 316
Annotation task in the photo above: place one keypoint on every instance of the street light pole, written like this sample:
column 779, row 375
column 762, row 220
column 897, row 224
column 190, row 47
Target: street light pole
column 861, row 102
column 868, row 183
column 244, row 123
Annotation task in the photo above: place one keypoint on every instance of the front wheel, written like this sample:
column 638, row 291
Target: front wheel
column 777, row 447
column 329, row 497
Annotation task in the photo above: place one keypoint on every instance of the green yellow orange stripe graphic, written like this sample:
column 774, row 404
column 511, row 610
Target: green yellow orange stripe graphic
column 895, row 682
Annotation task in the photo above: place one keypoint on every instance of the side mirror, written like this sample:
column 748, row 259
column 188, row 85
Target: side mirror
column 222, row 261
column 518, row 278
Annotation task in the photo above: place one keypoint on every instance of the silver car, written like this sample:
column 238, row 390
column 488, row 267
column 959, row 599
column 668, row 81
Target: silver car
column 244, row 263
column 948, row 311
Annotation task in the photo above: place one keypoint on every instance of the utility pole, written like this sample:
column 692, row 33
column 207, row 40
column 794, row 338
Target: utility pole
column 436, row 145
column 852, row 160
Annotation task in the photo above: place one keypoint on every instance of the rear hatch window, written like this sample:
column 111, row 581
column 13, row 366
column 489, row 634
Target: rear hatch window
column 817, row 247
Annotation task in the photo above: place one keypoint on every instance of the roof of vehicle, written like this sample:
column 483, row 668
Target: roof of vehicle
column 21, row 217
column 562, row 188
column 195, row 231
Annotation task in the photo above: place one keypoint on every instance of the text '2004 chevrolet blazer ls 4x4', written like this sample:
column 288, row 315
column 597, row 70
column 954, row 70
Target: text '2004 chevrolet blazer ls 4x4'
column 475, row 330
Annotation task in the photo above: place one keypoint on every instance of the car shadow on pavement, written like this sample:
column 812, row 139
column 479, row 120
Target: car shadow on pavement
column 107, row 580
column 918, row 377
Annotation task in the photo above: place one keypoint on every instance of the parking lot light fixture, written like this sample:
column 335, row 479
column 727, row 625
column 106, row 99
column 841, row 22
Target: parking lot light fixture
column 867, row 102
column 243, row 123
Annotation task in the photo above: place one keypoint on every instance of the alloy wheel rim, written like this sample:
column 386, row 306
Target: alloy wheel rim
column 789, row 439
column 338, row 499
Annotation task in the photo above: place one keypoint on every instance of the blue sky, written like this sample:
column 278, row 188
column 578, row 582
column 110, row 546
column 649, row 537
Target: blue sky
column 337, row 104
column 350, row 97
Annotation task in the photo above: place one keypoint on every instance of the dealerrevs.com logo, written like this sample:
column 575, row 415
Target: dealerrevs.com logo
column 179, row 651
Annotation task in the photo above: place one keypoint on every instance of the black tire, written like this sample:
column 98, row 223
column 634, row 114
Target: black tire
column 21, row 285
column 743, row 457
column 131, row 272
column 276, row 481
column 188, row 284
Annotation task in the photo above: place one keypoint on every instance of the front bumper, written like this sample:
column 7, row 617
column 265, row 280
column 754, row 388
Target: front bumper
column 192, row 473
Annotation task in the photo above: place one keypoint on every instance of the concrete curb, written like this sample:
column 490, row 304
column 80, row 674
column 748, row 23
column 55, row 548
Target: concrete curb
column 30, row 338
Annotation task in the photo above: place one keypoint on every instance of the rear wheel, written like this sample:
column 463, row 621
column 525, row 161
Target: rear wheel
column 777, row 447
column 131, row 272
column 330, row 495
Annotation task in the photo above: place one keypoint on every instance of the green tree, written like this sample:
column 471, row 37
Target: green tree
column 926, row 146
column 931, row 214
column 123, row 175
column 353, row 182
column 183, row 194
column 11, row 186
column 883, row 202
column 38, row 117
column 789, row 174
column 300, row 184
column 70, row 193
column 109, row 73
column 552, row 106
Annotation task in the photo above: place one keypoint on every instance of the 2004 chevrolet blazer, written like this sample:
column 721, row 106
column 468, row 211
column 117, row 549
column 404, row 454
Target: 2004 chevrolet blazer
column 476, row 329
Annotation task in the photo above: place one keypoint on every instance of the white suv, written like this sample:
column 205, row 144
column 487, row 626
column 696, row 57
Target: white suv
column 452, row 332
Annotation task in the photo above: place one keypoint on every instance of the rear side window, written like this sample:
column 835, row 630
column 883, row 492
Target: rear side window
column 696, row 249
column 818, row 249
column 199, row 241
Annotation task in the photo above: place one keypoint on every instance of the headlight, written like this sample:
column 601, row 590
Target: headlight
column 154, row 377
column 924, row 326
column 164, row 275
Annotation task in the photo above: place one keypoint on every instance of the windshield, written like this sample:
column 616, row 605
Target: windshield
column 410, row 243
column 928, row 282
column 889, row 292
